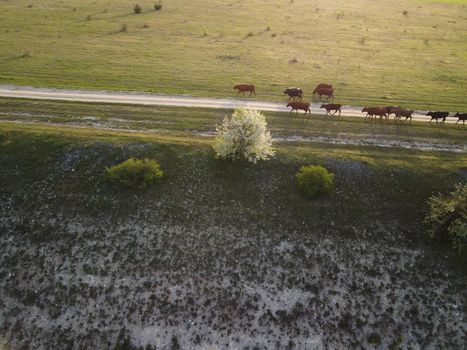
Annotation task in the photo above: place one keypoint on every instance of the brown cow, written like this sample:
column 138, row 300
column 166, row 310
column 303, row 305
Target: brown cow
column 245, row 87
column 407, row 113
column 375, row 111
column 329, row 92
column 299, row 105
column 332, row 107
column 322, row 86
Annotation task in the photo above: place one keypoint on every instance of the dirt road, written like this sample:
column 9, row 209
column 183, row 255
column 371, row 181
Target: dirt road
column 166, row 100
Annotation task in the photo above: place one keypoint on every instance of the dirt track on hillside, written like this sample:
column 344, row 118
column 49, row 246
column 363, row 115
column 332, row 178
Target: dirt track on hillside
column 166, row 100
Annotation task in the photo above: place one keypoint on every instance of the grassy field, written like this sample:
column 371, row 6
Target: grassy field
column 407, row 52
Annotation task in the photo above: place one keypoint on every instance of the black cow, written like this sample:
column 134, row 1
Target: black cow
column 438, row 115
column 294, row 92
column 391, row 109
column 407, row 113
column 461, row 116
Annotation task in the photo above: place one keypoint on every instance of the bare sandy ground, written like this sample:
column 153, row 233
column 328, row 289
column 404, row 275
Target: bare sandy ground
column 168, row 100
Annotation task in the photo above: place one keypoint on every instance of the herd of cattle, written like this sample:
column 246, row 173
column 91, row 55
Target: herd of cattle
column 295, row 102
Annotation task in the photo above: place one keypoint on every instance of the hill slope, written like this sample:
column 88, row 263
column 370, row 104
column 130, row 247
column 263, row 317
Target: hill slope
column 220, row 254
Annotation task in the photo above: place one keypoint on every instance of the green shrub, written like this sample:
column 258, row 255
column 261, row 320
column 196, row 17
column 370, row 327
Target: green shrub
column 158, row 7
column 137, row 9
column 314, row 180
column 140, row 173
column 447, row 217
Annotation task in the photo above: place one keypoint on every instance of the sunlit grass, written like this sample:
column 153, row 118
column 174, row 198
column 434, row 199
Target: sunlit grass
column 370, row 50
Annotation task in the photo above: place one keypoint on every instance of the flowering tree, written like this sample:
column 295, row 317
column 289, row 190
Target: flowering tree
column 244, row 135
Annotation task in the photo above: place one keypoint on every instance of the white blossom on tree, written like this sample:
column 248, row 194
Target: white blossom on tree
column 244, row 135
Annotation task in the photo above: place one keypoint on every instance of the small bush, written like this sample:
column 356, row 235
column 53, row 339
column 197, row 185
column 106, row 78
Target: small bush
column 140, row 173
column 123, row 27
column 314, row 180
column 405, row 12
column 25, row 54
column 447, row 217
column 244, row 136
column 137, row 9
column 157, row 7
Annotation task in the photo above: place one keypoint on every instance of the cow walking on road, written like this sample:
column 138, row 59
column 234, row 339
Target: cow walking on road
column 391, row 109
column 375, row 111
column 305, row 106
column 461, row 116
column 407, row 113
column 332, row 107
column 438, row 115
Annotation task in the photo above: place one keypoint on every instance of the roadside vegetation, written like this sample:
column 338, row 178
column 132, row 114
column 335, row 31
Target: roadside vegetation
column 244, row 135
column 314, row 180
column 447, row 217
column 88, row 44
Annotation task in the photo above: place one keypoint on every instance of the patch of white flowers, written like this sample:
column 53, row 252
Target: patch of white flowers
column 244, row 135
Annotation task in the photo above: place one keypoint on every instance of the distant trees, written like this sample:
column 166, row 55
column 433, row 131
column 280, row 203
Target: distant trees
column 137, row 9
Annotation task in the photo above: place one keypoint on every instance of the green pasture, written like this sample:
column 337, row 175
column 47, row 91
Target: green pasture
column 407, row 52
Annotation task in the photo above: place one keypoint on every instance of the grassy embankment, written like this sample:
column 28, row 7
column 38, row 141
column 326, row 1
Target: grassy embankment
column 413, row 55
column 201, row 122
column 208, row 221
column 372, row 184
